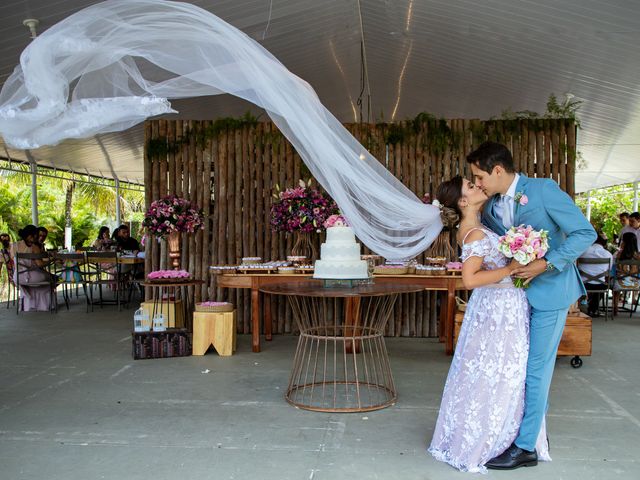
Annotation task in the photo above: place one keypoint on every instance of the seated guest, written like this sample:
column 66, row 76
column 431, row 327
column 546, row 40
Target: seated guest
column 42, row 237
column 5, row 255
column 628, row 251
column 624, row 219
column 126, row 241
column 597, row 250
column 632, row 226
column 103, row 242
column 33, row 298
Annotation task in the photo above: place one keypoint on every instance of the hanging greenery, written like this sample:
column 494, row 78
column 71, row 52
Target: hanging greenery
column 160, row 147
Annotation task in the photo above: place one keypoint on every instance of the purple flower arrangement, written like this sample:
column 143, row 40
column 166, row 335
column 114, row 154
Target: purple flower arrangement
column 172, row 214
column 301, row 209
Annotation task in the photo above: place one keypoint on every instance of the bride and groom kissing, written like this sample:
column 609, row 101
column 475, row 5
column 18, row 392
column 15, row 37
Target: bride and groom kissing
column 495, row 397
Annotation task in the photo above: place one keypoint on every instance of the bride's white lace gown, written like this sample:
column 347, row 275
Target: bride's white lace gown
column 483, row 400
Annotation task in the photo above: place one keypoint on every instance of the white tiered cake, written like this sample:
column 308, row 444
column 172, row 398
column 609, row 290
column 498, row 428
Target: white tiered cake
column 340, row 256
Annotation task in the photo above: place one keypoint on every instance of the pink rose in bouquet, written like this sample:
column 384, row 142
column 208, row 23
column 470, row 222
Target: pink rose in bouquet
column 525, row 245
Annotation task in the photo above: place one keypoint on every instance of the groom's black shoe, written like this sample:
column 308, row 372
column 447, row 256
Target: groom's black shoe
column 513, row 457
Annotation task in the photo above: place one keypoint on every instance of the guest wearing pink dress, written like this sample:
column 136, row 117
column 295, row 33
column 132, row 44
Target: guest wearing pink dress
column 33, row 298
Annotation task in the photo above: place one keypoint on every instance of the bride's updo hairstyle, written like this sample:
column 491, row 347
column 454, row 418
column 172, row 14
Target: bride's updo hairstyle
column 449, row 194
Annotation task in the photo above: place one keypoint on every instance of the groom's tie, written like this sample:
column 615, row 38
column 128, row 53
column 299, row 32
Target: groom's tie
column 507, row 214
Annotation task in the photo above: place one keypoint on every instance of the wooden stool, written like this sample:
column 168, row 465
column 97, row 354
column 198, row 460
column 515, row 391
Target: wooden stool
column 217, row 329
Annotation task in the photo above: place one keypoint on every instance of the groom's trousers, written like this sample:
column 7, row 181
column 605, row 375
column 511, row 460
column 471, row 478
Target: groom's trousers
column 545, row 331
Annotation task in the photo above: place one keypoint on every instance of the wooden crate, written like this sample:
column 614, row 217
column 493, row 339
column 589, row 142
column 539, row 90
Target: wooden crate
column 576, row 337
column 174, row 342
column 172, row 309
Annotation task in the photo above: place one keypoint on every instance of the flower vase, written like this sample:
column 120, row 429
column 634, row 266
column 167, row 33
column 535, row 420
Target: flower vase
column 173, row 242
column 303, row 246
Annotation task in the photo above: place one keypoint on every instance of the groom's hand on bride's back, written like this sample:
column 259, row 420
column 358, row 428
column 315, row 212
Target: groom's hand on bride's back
column 531, row 271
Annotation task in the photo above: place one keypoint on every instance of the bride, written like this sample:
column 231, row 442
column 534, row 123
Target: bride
column 483, row 400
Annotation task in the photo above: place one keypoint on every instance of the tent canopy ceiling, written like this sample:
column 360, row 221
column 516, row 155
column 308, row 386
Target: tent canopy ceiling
column 455, row 59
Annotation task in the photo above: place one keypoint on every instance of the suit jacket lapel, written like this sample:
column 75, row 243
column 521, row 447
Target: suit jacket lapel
column 521, row 187
column 489, row 218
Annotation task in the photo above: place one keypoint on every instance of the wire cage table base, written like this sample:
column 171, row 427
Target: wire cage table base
column 341, row 362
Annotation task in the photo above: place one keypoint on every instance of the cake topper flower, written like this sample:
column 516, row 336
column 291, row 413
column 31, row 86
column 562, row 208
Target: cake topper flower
column 335, row 221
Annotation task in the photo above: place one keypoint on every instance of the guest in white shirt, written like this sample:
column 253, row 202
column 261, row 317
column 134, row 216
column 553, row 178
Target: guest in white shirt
column 597, row 250
column 632, row 226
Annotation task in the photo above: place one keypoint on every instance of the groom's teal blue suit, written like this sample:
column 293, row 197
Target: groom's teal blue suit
column 551, row 293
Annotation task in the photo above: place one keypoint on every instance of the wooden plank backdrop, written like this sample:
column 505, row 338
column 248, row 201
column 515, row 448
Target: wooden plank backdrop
column 232, row 177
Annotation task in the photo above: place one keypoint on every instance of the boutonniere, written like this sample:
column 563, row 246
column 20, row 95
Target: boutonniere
column 521, row 198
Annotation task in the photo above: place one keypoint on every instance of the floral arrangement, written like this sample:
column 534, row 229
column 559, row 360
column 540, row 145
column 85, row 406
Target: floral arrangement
column 169, row 274
column 335, row 221
column 454, row 266
column 303, row 209
column 172, row 214
column 213, row 304
column 525, row 245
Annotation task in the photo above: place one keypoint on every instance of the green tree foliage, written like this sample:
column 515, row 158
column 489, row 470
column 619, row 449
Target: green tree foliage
column 606, row 205
column 92, row 206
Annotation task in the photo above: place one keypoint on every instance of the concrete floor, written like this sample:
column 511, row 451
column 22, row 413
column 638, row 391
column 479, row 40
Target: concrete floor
column 74, row 405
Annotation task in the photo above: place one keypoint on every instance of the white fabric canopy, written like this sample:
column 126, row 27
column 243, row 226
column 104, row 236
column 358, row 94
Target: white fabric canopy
column 116, row 63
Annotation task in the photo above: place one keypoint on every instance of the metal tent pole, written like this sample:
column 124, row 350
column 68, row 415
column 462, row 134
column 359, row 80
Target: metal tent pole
column 118, row 202
column 589, row 205
column 635, row 196
column 34, row 193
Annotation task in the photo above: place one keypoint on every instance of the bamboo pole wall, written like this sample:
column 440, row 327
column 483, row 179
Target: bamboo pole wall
column 232, row 177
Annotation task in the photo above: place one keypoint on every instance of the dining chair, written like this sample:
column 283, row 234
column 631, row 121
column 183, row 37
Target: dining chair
column 36, row 263
column 627, row 281
column 602, row 280
column 102, row 269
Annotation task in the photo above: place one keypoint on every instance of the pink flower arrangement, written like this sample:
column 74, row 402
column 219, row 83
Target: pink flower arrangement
column 213, row 304
column 168, row 274
column 302, row 209
column 335, row 221
column 525, row 245
column 454, row 266
column 172, row 214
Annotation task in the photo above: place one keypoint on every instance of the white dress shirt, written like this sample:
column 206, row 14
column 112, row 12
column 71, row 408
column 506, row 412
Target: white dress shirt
column 629, row 229
column 507, row 201
column 596, row 251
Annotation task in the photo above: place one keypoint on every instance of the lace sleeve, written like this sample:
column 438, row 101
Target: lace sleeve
column 477, row 248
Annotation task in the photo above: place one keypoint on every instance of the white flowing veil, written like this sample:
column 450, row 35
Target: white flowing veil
column 116, row 63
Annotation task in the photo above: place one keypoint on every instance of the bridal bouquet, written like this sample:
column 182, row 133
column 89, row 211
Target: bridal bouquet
column 525, row 245
column 173, row 214
column 301, row 209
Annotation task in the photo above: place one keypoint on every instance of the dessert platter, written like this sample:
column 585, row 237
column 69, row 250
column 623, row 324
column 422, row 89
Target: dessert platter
column 164, row 276
column 262, row 267
column 391, row 269
column 214, row 307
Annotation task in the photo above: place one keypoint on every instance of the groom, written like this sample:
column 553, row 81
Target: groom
column 554, row 280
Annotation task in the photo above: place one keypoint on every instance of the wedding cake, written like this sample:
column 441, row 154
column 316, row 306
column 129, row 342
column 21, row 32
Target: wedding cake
column 340, row 256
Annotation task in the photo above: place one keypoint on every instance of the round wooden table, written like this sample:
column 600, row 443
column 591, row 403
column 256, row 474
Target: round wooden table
column 341, row 362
